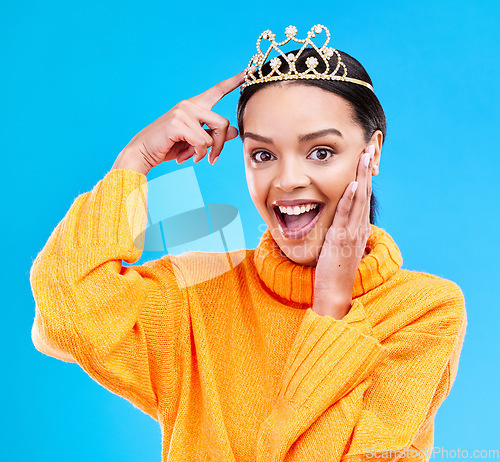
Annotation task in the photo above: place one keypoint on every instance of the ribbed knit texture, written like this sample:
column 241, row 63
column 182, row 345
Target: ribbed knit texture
column 225, row 351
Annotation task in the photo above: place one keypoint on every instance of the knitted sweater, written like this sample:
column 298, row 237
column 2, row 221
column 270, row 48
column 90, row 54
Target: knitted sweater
column 224, row 350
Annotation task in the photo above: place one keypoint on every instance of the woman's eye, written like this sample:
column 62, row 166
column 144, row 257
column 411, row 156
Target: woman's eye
column 264, row 156
column 322, row 154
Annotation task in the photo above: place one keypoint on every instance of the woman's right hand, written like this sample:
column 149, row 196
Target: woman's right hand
column 179, row 133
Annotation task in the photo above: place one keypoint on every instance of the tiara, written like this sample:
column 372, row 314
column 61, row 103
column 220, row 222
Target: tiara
column 312, row 62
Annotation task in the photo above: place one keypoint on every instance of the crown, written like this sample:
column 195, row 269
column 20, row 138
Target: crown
column 325, row 52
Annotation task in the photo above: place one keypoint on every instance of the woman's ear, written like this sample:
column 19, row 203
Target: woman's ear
column 377, row 139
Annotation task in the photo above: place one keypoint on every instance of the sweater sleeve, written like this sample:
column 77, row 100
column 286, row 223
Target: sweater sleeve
column 326, row 361
column 120, row 324
column 348, row 394
column 395, row 417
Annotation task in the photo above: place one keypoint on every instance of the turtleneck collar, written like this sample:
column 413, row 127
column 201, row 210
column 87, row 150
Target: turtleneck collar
column 295, row 283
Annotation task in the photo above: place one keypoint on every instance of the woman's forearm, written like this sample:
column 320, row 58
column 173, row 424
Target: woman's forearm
column 127, row 159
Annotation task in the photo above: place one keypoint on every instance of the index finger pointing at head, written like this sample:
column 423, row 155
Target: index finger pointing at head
column 208, row 98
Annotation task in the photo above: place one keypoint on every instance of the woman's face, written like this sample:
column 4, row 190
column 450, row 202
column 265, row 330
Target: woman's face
column 301, row 146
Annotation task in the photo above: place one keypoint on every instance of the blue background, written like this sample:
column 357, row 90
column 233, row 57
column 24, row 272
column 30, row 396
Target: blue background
column 80, row 79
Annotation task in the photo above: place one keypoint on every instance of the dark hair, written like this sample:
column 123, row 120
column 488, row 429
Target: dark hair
column 367, row 109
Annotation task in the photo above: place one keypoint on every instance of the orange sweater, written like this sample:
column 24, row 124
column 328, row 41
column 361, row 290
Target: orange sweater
column 225, row 351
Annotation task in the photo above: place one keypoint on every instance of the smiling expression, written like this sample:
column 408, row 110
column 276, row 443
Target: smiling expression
column 301, row 146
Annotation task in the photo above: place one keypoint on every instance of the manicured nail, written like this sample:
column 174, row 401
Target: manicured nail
column 366, row 159
column 371, row 150
column 354, row 187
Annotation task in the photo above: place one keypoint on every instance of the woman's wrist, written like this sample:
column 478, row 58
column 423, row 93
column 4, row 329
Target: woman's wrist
column 132, row 160
column 335, row 309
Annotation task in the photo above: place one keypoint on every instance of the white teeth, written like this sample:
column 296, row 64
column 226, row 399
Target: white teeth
column 297, row 210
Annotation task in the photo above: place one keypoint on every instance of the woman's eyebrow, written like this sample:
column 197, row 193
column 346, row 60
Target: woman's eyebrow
column 319, row 134
column 302, row 138
column 256, row 137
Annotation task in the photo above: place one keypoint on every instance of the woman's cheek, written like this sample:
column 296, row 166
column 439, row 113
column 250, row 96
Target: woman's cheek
column 258, row 194
column 335, row 184
column 252, row 187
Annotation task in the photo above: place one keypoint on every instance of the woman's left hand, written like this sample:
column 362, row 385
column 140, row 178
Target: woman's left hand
column 344, row 245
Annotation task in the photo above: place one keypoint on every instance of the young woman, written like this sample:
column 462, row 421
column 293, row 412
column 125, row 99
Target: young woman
column 316, row 345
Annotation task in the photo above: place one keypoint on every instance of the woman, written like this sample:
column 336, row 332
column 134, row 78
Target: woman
column 317, row 345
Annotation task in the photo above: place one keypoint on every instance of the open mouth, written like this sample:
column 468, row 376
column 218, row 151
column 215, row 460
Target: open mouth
column 300, row 221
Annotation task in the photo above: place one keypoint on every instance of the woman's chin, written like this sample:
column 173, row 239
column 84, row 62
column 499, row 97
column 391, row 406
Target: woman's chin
column 301, row 253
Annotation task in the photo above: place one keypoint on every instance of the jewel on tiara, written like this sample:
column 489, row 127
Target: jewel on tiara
column 325, row 52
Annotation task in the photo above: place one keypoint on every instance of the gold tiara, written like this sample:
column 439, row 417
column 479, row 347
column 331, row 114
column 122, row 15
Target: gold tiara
column 325, row 52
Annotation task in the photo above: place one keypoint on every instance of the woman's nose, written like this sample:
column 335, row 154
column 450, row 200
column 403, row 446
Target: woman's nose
column 291, row 175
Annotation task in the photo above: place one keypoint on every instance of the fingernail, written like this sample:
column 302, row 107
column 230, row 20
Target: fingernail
column 354, row 187
column 366, row 159
column 215, row 160
column 371, row 150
